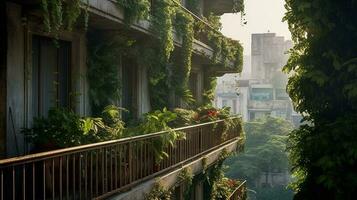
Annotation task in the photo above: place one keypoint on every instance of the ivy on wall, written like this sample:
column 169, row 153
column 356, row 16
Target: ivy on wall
column 134, row 10
column 323, row 88
column 103, row 69
column 62, row 15
column 164, row 76
column 160, row 72
column 192, row 5
column 226, row 50
column 227, row 53
column 184, row 28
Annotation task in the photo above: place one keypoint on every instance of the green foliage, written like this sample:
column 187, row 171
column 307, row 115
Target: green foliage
column 182, row 71
column 323, row 88
column 59, row 14
column 63, row 128
column 264, row 150
column 214, row 178
column 238, row 6
column 134, row 10
column 158, row 121
column 274, row 193
column 160, row 70
column 185, row 178
column 192, row 5
column 164, row 76
column 223, row 188
column 158, row 192
column 103, row 71
column 226, row 50
column 184, row 117
column 209, row 90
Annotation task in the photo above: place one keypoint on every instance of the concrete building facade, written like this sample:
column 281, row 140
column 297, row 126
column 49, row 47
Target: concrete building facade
column 263, row 92
column 36, row 74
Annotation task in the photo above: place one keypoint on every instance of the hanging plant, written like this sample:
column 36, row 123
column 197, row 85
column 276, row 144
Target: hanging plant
column 209, row 90
column 103, row 71
column 164, row 76
column 238, row 6
column 134, row 10
column 185, row 178
column 184, row 29
column 61, row 15
column 160, row 72
column 159, row 192
column 192, row 5
column 226, row 51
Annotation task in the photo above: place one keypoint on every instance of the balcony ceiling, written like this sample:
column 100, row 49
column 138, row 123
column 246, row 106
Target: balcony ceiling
column 218, row 7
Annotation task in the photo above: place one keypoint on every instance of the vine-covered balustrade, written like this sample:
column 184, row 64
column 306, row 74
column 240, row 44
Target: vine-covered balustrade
column 240, row 192
column 101, row 169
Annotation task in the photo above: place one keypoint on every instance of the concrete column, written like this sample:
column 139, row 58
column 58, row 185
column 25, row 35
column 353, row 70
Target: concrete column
column 15, row 95
column 3, row 52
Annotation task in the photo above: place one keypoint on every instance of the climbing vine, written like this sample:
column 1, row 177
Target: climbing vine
column 134, row 10
column 184, row 29
column 323, row 65
column 164, row 75
column 158, row 192
column 192, row 5
column 238, row 6
column 62, row 15
column 209, row 90
column 161, row 71
column 103, row 71
column 226, row 50
column 185, row 178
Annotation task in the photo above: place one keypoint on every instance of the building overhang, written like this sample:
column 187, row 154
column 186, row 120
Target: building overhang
column 220, row 7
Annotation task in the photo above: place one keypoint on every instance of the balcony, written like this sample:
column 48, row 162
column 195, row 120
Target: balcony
column 110, row 11
column 104, row 169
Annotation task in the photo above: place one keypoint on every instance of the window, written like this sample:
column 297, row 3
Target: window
column 262, row 94
column 50, row 75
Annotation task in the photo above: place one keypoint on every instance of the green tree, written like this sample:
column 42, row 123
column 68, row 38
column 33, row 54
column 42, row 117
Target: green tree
column 264, row 153
column 323, row 87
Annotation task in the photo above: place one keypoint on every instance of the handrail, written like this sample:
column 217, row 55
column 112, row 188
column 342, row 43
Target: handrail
column 39, row 156
column 103, row 169
column 236, row 190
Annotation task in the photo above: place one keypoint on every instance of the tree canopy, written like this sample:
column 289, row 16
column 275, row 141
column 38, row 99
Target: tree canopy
column 264, row 153
column 323, row 87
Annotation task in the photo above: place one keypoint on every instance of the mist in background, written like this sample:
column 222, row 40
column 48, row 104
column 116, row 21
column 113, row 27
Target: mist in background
column 262, row 16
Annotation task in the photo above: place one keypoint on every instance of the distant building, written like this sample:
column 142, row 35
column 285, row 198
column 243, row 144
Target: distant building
column 263, row 92
column 268, row 55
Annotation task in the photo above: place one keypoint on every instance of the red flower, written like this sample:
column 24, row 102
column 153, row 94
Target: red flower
column 212, row 113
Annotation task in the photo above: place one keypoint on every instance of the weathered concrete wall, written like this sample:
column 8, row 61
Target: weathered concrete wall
column 3, row 52
column 143, row 91
column 19, row 75
column 15, row 81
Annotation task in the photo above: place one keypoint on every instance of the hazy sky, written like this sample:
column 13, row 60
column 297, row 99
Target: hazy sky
column 262, row 16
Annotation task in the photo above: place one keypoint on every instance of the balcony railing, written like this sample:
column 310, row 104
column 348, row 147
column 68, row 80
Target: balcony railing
column 239, row 193
column 102, row 169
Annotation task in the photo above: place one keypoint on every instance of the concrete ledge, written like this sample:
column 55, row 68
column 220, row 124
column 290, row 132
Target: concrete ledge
column 169, row 180
column 109, row 10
